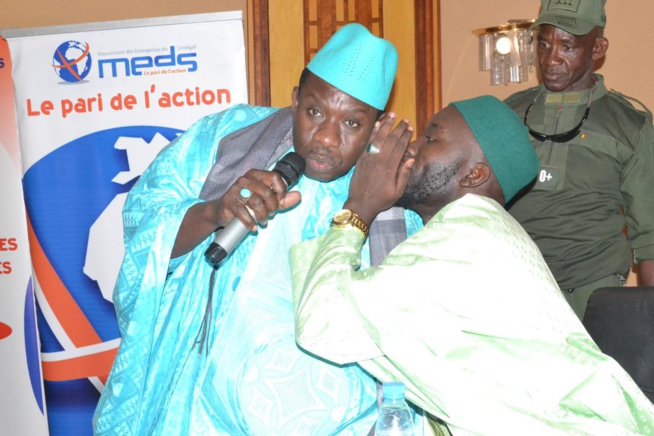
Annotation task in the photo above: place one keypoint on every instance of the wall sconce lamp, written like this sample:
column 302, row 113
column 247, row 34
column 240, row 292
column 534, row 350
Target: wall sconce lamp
column 507, row 51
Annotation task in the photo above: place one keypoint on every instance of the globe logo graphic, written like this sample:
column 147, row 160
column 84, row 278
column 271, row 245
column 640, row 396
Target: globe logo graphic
column 72, row 61
column 79, row 240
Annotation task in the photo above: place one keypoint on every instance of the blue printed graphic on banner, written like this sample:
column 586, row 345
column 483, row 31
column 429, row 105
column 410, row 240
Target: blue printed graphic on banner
column 74, row 197
column 32, row 346
column 72, row 61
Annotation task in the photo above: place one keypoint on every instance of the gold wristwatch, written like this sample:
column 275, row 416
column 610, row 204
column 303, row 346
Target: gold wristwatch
column 347, row 218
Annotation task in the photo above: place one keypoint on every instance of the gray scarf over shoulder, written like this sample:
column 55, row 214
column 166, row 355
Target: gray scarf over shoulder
column 264, row 143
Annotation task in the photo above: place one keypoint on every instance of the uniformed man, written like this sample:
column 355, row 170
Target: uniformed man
column 597, row 159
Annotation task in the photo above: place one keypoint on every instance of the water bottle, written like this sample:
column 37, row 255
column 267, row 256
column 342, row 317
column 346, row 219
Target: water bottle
column 394, row 414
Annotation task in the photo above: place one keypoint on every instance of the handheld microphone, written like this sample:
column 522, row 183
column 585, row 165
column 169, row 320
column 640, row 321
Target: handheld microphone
column 290, row 167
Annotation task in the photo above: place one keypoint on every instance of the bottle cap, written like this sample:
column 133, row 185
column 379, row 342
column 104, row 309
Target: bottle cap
column 394, row 390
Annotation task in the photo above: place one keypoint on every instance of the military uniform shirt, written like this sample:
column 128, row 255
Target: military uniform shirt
column 574, row 212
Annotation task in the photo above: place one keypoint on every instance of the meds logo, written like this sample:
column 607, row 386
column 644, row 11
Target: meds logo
column 72, row 61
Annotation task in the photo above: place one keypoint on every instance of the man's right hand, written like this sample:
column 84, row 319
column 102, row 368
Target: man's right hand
column 267, row 195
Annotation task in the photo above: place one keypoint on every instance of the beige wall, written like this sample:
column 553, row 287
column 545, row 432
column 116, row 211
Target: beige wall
column 399, row 29
column 39, row 13
column 286, row 49
column 627, row 67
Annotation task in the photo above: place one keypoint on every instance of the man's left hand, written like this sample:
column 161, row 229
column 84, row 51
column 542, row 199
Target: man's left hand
column 380, row 178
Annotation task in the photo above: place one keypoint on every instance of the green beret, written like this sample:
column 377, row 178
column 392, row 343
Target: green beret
column 577, row 17
column 504, row 139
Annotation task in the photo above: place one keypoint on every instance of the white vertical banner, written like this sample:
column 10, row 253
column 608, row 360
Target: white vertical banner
column 95, row 103
column 22, row 407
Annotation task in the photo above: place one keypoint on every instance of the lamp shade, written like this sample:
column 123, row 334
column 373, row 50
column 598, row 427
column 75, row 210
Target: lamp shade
column 507, row 51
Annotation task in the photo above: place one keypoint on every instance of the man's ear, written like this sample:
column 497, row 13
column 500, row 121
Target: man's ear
column 295, row 98
column 478, row 175
column 600, row 47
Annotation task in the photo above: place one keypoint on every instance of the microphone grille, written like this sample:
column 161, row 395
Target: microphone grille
column 290, row 167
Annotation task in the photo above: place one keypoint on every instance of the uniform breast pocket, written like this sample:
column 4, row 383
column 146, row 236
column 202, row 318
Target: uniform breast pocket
column 589, row 162
column 553, row 163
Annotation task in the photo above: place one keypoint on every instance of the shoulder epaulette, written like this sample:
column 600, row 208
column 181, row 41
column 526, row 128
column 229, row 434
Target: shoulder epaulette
column 630, row 102
column 521, row 94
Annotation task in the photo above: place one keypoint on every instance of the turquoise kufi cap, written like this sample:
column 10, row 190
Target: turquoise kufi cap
column 504, row 139
column 358, row 63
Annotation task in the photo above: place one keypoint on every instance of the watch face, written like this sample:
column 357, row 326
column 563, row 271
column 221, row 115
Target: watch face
column 343, row 216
